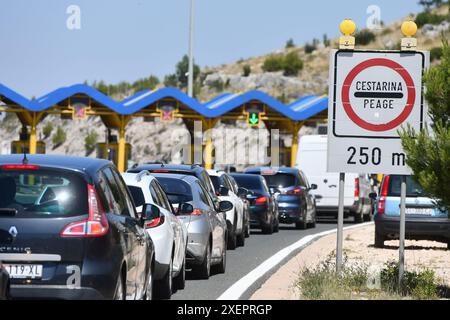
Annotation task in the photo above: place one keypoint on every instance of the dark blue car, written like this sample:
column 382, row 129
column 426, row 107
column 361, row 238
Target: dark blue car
column 69, row 230
column 295, row 202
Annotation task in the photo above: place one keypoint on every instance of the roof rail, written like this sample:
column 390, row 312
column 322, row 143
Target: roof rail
column 195, row 165
column 141, row 174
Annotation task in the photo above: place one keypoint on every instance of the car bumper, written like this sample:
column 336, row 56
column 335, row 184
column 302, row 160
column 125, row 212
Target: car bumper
column 258, row 216
column 54, row 292
column 290, row 215
column 416, row 229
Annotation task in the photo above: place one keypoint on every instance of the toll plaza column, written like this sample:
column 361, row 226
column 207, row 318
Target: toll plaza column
column 34, row 120
column 122, row 143
column 208, row 125
column 295, row 128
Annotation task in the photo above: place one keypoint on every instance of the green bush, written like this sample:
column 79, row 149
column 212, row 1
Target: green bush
column 59, row 137
column 218, row 85
column 292, row 64
column 428, row 17
column 246, row 70
column 273, row 63
column 90, row 142
column 48, row 128
column 419, row 285
column 435, row 53
column 309, row 48
column 364, row 37
column 290, row 44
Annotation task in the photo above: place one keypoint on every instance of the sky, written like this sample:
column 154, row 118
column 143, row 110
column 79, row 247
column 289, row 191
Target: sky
column 130, row 39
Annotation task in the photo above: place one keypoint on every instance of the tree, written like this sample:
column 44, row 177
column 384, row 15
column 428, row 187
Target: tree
column 246, row 70
column 428, row 151
column 48, row 130
column 171, row 80
column 292, row 64
column 90, row 142
column 290, row 43
column 182, row 69
column 59, row 137
column 273, row 63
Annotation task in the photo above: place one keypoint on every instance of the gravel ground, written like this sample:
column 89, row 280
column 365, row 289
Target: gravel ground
column 358, row 247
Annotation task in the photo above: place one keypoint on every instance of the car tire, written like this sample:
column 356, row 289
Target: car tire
column 247, row 230
column 276, row 228
column 313, row 223
column 448, row 245
column 203, row 271
column 368, row 217
column 149, row 289
column 180, row 280
column 232, row 238
column 222, row 266
column 164, row 287
column 267, row 229
column 379, row 240
column 359, row 217
column 241, row 239
column 119, row 294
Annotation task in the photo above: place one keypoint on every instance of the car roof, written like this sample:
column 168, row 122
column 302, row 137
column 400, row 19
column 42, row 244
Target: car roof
column 247, row 175
column 276, row 170
column 215, row 173
column 87, row 165
column 138, row 177
column 184, row 177
column 154, row 166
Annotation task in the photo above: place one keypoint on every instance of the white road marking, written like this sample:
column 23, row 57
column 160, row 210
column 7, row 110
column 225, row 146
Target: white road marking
column 238, row 288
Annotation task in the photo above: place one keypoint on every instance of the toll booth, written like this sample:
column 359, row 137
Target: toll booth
column 23, row 145
column 110, row 151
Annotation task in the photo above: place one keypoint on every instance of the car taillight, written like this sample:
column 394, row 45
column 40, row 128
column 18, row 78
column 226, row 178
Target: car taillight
column 356, row 189
column 197, row 212
column 160, row 171
column 155, row 222
column 19, row 167
column 95, row 226
column 381, row 206
column 261, row 200
column 296, row 191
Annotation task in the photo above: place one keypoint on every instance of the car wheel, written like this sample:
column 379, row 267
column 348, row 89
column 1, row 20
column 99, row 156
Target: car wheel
column 204, row 270
column 120, row 289
column 312, row 224
column 180, row 279
column 149, row 290
column 379, row 240
column 232, row 238
column 359, row 217
column 223, row 263
column 247, row 230
column 268, row 229
column 368, row 217
column 241, row 239
column 163, row 287
column 448, row 245
column 276, row 227
column 301, row 225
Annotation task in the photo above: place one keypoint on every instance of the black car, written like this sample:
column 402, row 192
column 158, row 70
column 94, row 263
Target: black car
column 192, row 170
column 263, row 207
column 295, row 202
column 4, row 283
column 70, row 223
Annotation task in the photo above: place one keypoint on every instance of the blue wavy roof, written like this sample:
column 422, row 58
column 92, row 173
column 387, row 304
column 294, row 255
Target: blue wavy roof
column 299, row 110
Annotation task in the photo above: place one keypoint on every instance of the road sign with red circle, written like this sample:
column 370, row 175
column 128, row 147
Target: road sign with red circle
column 373, row 94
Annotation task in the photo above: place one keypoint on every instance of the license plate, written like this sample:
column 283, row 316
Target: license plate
column 24, row 271
column 419, row 211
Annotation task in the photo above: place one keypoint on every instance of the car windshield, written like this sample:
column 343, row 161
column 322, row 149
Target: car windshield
column 138, row 195
column 177, row 190
column 413, row 189
column 42, row 193
column 280, row 180
column 249, row 182
column 216, row 182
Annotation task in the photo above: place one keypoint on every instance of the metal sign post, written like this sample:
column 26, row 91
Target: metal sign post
column 401, row 262
column 340, row 228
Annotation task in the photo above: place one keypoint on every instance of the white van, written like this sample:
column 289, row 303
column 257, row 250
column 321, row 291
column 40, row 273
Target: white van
column 312, row 160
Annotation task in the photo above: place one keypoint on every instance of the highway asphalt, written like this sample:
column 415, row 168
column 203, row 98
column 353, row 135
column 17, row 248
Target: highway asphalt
column 241, row 261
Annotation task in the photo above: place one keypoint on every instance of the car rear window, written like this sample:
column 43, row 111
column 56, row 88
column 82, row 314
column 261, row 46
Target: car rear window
column 249, row 182
column 216, row 182
column 138, row 195
column 280, row 180
column 413, row 189
column 177, row 190
column 43, row 193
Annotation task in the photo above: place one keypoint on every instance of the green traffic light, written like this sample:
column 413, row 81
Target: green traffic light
column 254, row 118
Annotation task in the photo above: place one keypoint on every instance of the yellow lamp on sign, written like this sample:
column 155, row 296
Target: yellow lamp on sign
column 347, row 41
column 347, row 27
column 409, row 29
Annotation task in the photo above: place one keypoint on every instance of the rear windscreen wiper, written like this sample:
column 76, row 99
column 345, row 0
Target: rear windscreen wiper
column 9, row 212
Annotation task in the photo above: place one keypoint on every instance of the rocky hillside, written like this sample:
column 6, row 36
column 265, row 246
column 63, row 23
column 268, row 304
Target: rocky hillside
column 155, row 141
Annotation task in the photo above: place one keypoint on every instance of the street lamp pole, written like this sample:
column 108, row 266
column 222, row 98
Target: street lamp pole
column 191, row 52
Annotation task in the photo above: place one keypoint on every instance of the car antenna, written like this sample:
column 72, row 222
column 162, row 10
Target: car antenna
column 25, row 159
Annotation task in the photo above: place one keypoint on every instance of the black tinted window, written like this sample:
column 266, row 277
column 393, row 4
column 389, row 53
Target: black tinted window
column 177, row 190
column 120, row 205
column 249, row 182
column 280, row 180
column 43, row 193
column 138, row 195
column 216, row 182
column 413, row 189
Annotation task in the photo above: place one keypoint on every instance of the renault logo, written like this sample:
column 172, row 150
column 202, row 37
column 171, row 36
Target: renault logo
column 13, row 231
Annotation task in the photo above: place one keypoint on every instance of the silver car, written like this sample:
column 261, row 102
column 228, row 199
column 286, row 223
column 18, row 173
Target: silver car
column 206, row 224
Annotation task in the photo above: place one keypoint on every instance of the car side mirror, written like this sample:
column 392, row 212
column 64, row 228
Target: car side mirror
column 225, row 206
column 185, row 209
column 373, row 195
column 224, row 191
column 313, row 186
column 242, row 192
column 150, row 214
column 274, row 190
